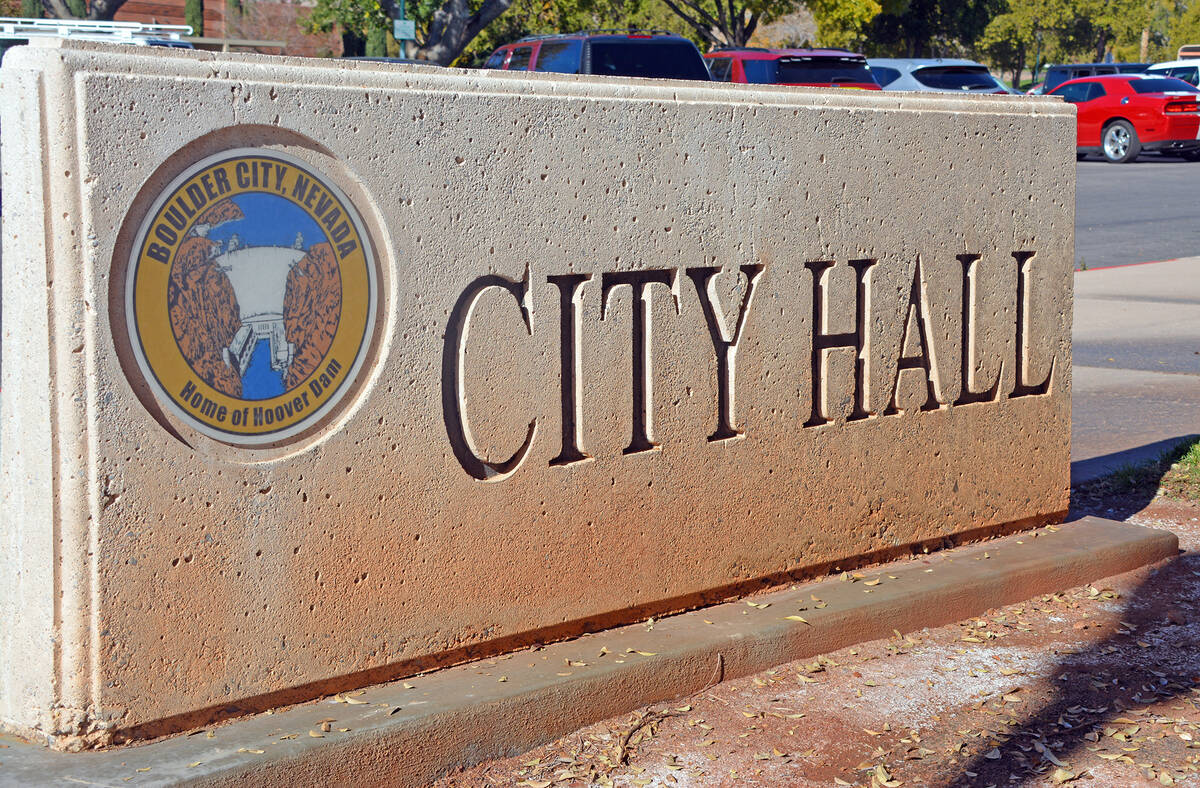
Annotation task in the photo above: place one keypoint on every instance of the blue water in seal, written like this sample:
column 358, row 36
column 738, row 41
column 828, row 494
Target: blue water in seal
column 259, row 380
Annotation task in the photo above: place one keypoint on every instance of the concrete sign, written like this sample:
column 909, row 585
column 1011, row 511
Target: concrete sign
column 317, row 375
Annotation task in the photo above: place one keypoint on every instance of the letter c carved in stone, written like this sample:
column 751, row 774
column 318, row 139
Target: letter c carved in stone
column 453, row 391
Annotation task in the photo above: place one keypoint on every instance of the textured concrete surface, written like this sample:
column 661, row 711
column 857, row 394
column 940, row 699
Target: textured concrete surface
column 407, row 733
column 1136, row 350
column 636, row 346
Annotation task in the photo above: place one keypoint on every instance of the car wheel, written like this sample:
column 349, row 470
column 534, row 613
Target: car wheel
column 1080, row 156
column 1120, row 143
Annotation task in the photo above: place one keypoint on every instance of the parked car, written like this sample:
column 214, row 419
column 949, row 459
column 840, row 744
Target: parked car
column 1056, row 75
column 654, row 54
column 16, row 31
column 1187, row 70
column 832, row 68
column 1121, row 115
column 940, row 75
column 405, row 61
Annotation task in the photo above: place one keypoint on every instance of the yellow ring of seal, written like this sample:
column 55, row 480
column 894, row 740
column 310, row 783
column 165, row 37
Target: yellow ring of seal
column 173, row 235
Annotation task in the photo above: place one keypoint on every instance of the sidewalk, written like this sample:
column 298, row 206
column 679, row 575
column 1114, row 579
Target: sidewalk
column 1136, row 363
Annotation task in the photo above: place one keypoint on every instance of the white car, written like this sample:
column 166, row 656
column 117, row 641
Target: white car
column 941, row 75
column 1187, row 70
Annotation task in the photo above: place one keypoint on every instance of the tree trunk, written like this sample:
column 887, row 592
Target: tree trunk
column 101, row 10
column 701, row 21
column 453, row 26
column 56, row 9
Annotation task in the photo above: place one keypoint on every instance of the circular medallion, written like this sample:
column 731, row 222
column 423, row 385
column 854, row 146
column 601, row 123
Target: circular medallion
column 251, row 295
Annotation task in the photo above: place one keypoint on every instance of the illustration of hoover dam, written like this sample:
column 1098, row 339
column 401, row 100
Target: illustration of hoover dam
column 259, row 276
column 254, row 319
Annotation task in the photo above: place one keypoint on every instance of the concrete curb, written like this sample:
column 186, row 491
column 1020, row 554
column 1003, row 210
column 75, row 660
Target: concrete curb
column 408, row 733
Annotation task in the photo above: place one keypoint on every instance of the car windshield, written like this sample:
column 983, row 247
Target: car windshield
column 956, row 78
column 655, row 59
column 807, row 70
column 1162, row 85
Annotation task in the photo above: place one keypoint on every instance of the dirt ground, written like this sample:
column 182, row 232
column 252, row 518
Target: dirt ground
column 1095, row 686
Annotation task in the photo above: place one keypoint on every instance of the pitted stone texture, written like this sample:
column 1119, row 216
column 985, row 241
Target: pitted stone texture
column 189, row 580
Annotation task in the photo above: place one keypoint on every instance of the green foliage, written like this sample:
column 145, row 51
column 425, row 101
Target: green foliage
column 30, row 9
column 377, row 41
column 1184, row 28
column 78, row 8
column 1182, row 479
column 356, row 17
column 843, row 23
column 929, row 28
column 193, row 15
column 1010, row 35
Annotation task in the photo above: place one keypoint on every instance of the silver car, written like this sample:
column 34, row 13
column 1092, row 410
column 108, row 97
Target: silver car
column 939, row 75
column 1187, row 70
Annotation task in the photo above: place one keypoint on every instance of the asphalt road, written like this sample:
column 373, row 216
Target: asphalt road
column 1145, row 211
column 1136, row 364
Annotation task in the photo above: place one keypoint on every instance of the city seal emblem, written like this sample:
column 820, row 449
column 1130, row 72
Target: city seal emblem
column 251, row 296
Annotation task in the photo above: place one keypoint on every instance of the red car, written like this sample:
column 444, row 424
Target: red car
column 1121, row 115
column 830, row 68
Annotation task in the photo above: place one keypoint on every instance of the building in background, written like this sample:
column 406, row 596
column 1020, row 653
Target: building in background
column 266, row 26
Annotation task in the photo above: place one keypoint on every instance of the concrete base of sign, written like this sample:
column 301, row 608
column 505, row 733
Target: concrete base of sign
column 408, row 733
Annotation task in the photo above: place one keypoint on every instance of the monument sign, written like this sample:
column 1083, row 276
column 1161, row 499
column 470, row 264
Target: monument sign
column 317, row 375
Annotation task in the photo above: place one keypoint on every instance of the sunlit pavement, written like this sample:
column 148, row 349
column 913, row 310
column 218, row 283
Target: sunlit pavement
column 1136, row 363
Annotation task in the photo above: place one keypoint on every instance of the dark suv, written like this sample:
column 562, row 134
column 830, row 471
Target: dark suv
column 832, row 68
column 653, row 54
column 1056, row 75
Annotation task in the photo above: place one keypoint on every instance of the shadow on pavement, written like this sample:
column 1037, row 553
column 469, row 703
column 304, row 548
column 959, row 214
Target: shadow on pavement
column 1089, row 470
column 1130, row 481
column 1153, row 655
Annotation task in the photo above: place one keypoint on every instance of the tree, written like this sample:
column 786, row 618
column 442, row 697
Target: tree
column 728, row 22
column 537, row 17
column 843, row 23
column 929, row 28
column 358, row 19
column 442, row 31
column 78, row 9
column 1185, row 28
column 193, row 16
column 1005, row 43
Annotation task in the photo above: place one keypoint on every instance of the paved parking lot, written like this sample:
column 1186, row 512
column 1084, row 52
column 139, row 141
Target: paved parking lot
column 1136, row 364
column 1134, row 213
